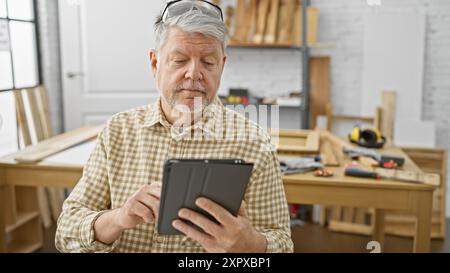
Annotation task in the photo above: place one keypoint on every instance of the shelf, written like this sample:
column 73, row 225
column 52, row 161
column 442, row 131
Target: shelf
column 23, row 247
column 22, row 218
column 322, row 45
column 254, row 45
column 26, row 235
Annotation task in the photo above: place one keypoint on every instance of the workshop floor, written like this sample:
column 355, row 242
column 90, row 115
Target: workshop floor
column 315, row 238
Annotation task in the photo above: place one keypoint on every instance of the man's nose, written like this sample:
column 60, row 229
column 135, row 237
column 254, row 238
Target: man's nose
column 194, row 72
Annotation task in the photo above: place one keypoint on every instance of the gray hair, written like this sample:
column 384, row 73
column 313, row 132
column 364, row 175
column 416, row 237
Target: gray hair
column 194, row 22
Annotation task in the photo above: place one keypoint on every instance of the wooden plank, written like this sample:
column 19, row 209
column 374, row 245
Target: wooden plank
column 329, row 115
column 328, row 155
column 336, row 214
column 313, row 21
column 44, row 111
column 240, row 32
column 33, row 110
column 10, row 205
column 296, row 141
column 296, row 34
column 25, row 129
column 251, row 20
column 21, row 220
column 347, row 214
column 378, row 119
column 55, row 195
column 360, row 216
column 354, row 118
column 26, row 237
column 388, row 104
column 335, row 141
column 410, row 176
column 263, row 10
column 229, row 17
column 56, row 144
column 287, row 11
column 272, row 22
column 22, row 121
column 339, row 226
column 319, row 87
column 378, row 227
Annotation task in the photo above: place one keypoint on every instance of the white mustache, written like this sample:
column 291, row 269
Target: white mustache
column 195, row 86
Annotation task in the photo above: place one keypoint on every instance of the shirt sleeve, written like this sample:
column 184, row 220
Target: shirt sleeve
column 267, row 206
column 88, row 200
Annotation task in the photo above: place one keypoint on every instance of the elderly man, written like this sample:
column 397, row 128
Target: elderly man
column 115, row 205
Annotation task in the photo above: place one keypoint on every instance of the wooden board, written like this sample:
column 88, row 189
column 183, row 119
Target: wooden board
column 54, row 145
column 328, row 154
column 251, row 20
column 27, row 128
column 388, row 104
column 296, row 141
column 287, row 11
column 22, row 121
column 410, row 176
column 320, row 85
column 263, row 9
column 240, row 31
column 272, row 22
column 312, row 14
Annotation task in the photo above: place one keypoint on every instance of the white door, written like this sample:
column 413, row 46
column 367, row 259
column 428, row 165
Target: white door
column 105, row 66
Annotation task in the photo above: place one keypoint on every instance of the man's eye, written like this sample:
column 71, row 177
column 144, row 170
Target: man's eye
column 208, row 63
column 179, row 61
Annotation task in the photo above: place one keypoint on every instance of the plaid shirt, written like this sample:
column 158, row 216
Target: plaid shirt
column 130, row 152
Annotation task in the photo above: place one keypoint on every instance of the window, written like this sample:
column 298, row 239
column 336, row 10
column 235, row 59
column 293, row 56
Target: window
column 19, row 62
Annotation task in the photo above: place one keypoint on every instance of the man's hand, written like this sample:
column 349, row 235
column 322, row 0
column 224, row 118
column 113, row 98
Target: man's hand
column 142, row 207
column 232, row 234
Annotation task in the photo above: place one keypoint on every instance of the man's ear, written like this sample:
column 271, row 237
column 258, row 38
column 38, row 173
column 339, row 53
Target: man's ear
column 153, row 61
column 224, row 61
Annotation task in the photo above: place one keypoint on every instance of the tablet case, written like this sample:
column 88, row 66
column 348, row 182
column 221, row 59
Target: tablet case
column 223, row 181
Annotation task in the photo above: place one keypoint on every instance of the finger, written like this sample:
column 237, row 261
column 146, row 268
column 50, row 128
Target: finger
column 202, row 238
column 217, row 211
column 204, row 223
column 242, row 210
column 142, row 211
column 150, row 202
column 154, row 189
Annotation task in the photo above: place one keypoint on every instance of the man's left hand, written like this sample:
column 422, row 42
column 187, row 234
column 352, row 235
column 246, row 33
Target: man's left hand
column 232, row 234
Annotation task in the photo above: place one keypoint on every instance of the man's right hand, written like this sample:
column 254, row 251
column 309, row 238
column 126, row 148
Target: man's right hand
column 142, row 207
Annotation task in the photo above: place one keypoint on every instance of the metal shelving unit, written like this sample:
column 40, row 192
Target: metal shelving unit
column 304, row 48
column 304, row 106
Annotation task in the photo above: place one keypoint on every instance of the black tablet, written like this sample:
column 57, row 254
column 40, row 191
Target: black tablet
column 223, row 181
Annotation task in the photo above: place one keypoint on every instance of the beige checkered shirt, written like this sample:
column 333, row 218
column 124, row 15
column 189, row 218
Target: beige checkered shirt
column 131, row 151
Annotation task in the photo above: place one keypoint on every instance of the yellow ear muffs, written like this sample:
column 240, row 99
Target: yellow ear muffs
column 370, row 138
column 355, row 134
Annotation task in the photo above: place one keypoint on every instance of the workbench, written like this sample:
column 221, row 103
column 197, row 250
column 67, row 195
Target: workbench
column 340, row 190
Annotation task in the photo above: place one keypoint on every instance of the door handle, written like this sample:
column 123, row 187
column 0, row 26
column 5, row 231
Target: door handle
column 71, row 75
